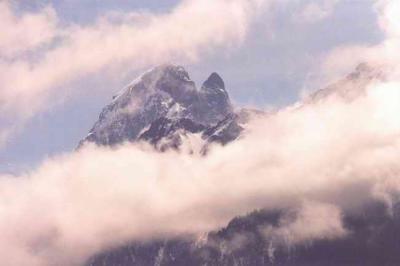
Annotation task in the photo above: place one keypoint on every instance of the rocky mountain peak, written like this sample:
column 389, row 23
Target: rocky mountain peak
column 165, row 91
column 215, row 99
column 168, row 73
column 214, row 81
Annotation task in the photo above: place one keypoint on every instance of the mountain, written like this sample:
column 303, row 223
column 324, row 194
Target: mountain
column 163, row 95
column 373, row 241
column 352, row 86
column 164, row 107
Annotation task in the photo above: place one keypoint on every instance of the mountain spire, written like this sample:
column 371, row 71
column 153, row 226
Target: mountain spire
column 214, row 81
column 163, row 95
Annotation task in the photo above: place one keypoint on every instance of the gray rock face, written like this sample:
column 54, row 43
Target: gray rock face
column 227, row 130
column 164, row 92
column 166, row 133
column 215, row 99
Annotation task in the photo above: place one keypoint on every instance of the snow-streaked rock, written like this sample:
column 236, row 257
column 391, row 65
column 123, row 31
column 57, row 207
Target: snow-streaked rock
column 163, row 95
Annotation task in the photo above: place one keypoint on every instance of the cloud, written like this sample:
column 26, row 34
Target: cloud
column 114, row 41
column 305, row 223
column 309, row 222
column 384, row 54
column 389, row 21
column 99, row 197
column 27, row 32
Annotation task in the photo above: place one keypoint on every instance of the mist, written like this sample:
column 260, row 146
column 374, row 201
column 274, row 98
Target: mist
column 77, row 204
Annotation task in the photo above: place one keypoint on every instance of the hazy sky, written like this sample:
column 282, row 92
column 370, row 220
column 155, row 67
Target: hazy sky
column 278, row 58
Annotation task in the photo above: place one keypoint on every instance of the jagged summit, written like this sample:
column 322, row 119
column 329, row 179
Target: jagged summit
column 215, row 98
column 164, row 92
column 214, row 81
column 157, row 74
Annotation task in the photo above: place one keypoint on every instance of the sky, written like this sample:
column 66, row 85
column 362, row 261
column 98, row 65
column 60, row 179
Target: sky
column 61, row 62
column 276, row 60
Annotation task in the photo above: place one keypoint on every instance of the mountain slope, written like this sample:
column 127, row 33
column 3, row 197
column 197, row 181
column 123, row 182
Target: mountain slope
column 374, row 240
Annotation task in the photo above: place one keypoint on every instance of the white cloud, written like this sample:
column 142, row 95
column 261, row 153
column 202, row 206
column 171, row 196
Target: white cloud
column 100, row 197
column 118, row 40
column 19, row 34
column 342, row 59
column 312, row 221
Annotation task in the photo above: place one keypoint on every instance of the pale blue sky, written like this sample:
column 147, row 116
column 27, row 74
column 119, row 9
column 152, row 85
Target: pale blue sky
column 270, row 68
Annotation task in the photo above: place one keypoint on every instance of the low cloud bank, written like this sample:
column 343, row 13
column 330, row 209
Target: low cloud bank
column 311, row 221
column 333, row 153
